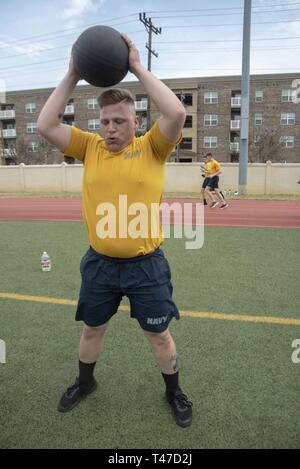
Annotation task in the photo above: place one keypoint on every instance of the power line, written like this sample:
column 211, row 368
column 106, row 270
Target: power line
column 224, row 9
column 169, row 52
column 164, row 27
column 227, row 24
column 225, row 14
column 230, row 40
column 46, row 49
column 67, row 31
column 132, row 15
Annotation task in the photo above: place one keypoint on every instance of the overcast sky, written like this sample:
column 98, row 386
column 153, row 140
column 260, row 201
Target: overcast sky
column 199, row 37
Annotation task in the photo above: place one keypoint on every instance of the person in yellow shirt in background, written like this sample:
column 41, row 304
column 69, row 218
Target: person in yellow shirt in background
column 118, row 166
column 205, row 174
column 212, row 170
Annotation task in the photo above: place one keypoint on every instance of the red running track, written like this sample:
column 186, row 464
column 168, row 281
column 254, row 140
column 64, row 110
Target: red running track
column 241, row 213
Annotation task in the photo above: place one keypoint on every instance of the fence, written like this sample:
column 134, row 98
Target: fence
column 263, row 179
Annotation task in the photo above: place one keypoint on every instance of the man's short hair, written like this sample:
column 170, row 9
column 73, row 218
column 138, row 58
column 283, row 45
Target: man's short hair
column 207, row 154
column 115, row 96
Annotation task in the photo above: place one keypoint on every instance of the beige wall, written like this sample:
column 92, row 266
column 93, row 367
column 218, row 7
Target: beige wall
column 180, row 177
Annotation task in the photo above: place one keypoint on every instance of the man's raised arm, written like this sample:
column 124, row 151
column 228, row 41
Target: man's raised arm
column 172, row 111
column 49, row 121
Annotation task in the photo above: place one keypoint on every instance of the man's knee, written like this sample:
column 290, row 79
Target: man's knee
column 89, row 332
column 159, row 339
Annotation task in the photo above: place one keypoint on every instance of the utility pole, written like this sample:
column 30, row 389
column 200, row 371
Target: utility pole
column 150, row 28
column 182, row 98
column 243, row 164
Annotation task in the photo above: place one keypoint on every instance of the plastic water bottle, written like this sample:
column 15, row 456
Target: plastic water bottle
column 45, row 262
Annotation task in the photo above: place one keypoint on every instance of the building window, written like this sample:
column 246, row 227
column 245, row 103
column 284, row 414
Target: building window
column 287, row 141
column 188, row 122
column 31, row 128
column 93, row 124
column 68, row 121
column 210, row 119
column 92, row 103
column 259, row 96
column 33, row 147
column 211, row 97
column 258, row 119
column 287, row 118
column 210, row 142
column 287, row 95
column 141, row 97
column 186, row 144
column 30, row 108
column 142, row 128
column 141, row 102
column 185, row 98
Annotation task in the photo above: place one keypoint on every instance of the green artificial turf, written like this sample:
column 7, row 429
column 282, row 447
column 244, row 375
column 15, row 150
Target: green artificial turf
column 239, row 375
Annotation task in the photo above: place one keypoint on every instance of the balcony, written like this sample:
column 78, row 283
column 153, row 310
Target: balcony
column 235, row 125
column 8, row 114
column 69, row 109
column 9, row 133
column 7, row 152
column 141, row 105
column 236, row 101
column 235, row 147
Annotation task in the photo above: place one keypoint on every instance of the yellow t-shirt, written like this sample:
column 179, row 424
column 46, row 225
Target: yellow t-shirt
column 113, row 182
column 212, row 167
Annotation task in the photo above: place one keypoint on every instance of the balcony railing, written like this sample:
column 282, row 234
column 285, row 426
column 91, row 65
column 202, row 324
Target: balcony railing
column 8, row 114
column 235, row 125
column 9, row 133
column 236, row 102
column 141, row 105
column 7, row 152
column 69, row 109
column 235, row 146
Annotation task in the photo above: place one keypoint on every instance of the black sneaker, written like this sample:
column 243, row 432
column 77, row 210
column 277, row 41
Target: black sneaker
column 224, row 206
column 181, row 406
column 73, row 396
column 214, row 204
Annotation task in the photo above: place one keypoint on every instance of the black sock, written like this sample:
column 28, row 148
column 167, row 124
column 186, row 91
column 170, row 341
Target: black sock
column 204, row 202
column 86, row 374
column 171, row 381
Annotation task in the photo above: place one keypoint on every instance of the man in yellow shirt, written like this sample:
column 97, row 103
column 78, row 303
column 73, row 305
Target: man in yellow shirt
column 123, row 175
column 212, row 171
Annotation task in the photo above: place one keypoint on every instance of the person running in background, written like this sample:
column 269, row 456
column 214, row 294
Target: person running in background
column 205, row 175
column 212, row 171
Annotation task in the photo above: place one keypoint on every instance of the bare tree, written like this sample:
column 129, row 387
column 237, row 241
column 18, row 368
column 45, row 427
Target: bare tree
column 266, row 145
column 19, row 151
column 22, row 152
column 45, row 151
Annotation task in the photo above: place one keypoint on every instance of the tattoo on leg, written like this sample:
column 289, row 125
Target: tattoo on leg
column 174, row 361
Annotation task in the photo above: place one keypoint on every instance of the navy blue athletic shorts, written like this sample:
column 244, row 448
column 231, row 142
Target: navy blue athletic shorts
column 145, row 280
column 205, row 183
column 213, row 183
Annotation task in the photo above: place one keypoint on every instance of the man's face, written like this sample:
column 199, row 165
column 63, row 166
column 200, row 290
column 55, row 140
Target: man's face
column 118, row 123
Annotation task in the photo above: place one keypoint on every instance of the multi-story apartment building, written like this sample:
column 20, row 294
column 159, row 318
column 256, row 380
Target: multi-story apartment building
column 213, row 123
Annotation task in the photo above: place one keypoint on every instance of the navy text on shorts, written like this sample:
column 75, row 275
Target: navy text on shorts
column 145, row 280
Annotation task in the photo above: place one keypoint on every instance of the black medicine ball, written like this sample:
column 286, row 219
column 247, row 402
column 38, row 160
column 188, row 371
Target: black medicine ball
column 100, row 56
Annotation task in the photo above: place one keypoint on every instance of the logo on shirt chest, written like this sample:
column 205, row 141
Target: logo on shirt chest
column 132, row 154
